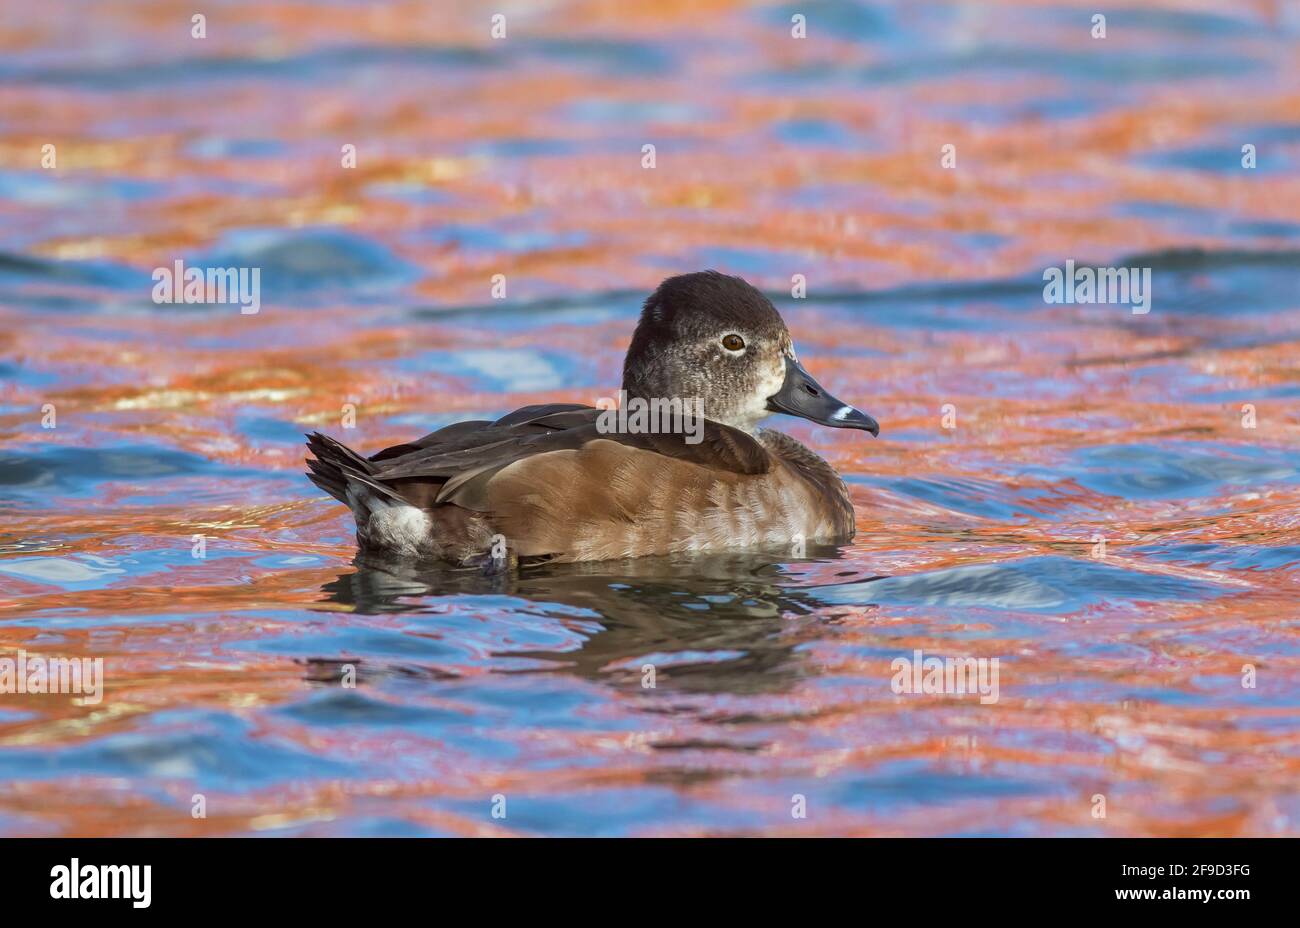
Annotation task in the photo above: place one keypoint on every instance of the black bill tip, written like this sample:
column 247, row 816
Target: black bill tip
column 850, row 418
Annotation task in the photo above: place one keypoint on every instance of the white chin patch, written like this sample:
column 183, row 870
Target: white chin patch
column 842, row 413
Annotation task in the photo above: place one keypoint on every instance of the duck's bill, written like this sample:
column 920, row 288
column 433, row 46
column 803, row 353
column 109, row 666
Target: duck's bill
column 802, row 396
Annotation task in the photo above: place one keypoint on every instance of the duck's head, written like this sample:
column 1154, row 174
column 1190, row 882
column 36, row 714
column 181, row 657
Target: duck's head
column 716, row 338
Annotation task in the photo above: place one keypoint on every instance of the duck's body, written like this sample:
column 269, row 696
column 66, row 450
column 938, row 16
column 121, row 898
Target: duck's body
column 548, row 482
column 561, row 482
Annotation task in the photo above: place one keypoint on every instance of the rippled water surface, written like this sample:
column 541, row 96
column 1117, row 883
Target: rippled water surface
column 1075, row 425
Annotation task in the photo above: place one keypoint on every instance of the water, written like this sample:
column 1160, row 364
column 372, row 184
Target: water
column 1120, row 676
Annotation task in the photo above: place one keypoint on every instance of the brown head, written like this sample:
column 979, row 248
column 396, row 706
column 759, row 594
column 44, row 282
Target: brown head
column 717, row 338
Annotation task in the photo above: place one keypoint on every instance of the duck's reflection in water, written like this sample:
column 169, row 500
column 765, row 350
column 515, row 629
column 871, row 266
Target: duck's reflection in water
column 722, row 623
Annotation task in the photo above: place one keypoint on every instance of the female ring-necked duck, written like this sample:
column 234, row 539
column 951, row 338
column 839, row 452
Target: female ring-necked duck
column 567, row 482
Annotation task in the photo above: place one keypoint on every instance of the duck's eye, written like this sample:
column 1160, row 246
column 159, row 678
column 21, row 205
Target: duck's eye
column 733, row 342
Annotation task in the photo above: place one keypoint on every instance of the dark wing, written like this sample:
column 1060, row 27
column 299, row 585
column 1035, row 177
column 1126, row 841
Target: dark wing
column 470, row 433
column 453, row 465
column 333, row 462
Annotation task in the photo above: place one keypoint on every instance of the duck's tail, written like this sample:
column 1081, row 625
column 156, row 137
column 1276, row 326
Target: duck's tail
column 336, row 468
column 333, row 463
column 385, row 520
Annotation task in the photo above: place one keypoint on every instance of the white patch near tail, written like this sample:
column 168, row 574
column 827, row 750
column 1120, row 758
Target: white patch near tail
column 386, row 520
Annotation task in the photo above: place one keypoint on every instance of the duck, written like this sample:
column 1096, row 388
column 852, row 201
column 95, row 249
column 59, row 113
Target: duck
column 679, row 466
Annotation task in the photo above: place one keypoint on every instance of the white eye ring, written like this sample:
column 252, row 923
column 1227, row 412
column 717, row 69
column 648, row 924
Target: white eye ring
column 732, row 336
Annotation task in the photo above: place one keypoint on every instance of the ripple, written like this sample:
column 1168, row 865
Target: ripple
column 66, row 572
column 972, row 496
column 1180, row 469
column 213, row 750
column 31, row 473
column 311, row 263
column 1048, row 584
